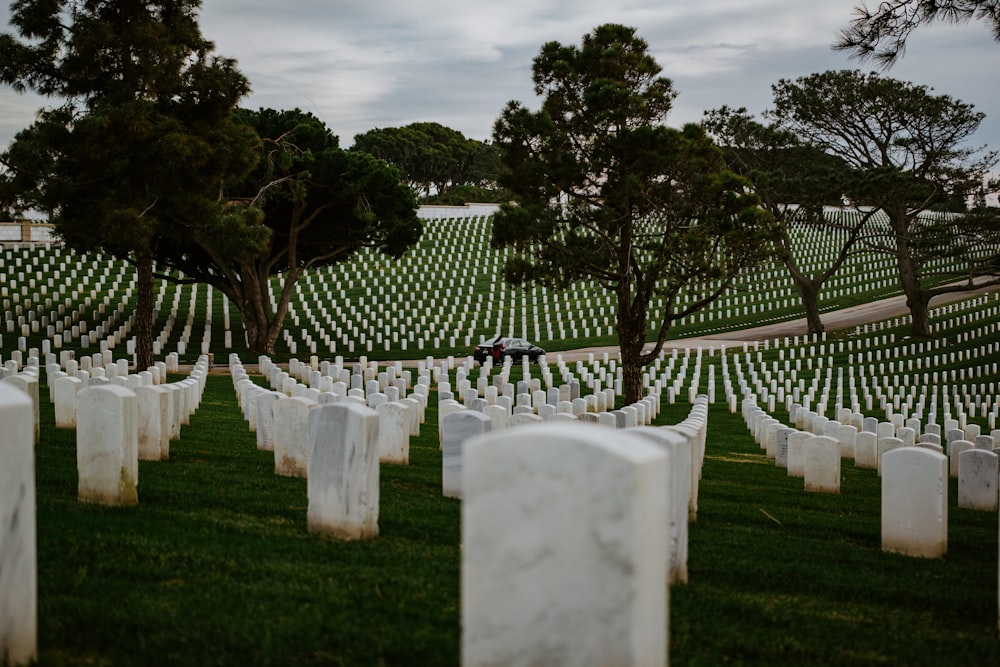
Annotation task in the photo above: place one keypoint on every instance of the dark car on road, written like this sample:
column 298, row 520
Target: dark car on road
column 500, row 348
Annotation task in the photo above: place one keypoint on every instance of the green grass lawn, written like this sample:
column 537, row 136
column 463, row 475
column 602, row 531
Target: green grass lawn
column 215, row 565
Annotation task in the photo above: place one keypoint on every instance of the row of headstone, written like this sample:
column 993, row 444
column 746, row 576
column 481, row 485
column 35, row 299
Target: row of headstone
column 458, row 423
column 914, row 475
column 110, row 418
column 336, row 442
column 685, row 442
column 537, row 302
column 280, row 418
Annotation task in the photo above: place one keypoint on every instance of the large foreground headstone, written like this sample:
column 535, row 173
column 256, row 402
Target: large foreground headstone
column 564, row 531
column 107, row 445
column 18, row 564
column 343, row 476
column 915, row 502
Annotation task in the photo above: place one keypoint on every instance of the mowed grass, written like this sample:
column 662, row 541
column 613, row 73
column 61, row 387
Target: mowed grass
column 215, row 566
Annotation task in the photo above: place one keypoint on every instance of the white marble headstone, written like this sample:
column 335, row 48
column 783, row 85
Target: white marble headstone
column 565, row 536
column 343, row 476
column 18, row 564
column 915, row 502
column 107, row 445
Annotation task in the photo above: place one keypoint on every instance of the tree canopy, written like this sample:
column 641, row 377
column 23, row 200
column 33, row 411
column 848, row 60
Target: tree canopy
column 140, row 135
column 795, row 181
column 605, row 191
column 308, row 203
column 909, row 150
column 439, row 163
column 880, row 34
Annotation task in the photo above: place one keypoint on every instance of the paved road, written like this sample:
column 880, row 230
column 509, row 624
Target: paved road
column 844, row 318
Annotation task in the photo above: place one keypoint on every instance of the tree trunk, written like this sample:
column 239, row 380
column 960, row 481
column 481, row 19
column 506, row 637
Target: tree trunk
column 917, row 300
column 256, row 331
column 144, row 309
column 631, row 374
column 261, row 325
column 631, row 339
column 920, row 318
column 809, row 295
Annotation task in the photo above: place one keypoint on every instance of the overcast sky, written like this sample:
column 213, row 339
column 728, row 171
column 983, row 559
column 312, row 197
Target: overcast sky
column 387, row 63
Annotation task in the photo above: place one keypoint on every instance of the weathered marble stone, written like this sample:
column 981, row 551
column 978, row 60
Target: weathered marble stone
column 678, row 448
column 445, row 408
column 291, row 436
column 107, row 446
column 393, row 432
column 18, row 545
column 522, row 418
column 866, row 450
column 343, row 471
column 265, row 419
column 846, row 435
column 977, row 480
column 822, row 464
column 498, row 415
column 153, row 413
column 781, row 445
column 65, row 394
column 797, row 453
column 459, row 427
column 955, row 450
column 886, row 445
column 28, row 383
column 915, row 502
column 565, row 536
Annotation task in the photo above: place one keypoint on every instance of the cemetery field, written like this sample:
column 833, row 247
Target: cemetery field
column 215, row 565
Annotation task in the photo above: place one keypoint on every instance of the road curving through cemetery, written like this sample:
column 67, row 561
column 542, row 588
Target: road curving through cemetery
column 836, row 320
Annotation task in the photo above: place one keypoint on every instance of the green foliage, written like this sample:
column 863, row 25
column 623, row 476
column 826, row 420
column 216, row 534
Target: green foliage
column 605, row 191
column 907, row 148
column 789, row 176
column 306, row 203
column 880, row 34
column 435, row 160
column 142, row 139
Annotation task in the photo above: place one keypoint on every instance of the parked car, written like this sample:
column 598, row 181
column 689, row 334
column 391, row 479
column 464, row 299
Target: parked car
column 501, row 348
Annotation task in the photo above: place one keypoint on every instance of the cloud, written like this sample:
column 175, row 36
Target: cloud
column 378, row 63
